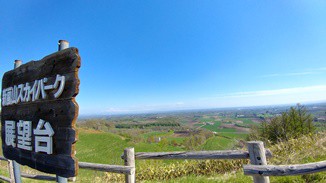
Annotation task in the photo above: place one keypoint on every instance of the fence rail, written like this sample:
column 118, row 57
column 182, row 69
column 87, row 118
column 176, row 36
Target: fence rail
column 285, row 170
column 38, row 177
column 256, row 153
column 108, row 168
column 3, row 178
column 129, row 171
column 224, row 154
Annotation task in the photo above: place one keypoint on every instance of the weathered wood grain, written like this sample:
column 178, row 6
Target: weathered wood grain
column 11, row 171
column 3, row 158
column 225, row 154
column 61, row 62
column 129, row 158
column 5, row 178
column 61, row 116
column 285, row 170
column 67, row 65
column 60, row 112
column 38, row 177
column 108, row 168
column 257, row 156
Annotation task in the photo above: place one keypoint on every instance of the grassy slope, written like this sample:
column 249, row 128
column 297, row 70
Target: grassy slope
column 297, row 151
column 218, row 143
column 100, row 147
column 109, row 148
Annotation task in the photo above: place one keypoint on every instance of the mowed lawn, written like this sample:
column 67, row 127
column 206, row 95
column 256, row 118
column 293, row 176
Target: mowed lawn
column 107, row 148
column 218, row 143
column 98, row 147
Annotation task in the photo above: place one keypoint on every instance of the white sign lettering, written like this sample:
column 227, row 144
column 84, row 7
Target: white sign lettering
column 29, row 93
column 43, row 142
column 10, row 133
column 24, row 130
column 43, row 135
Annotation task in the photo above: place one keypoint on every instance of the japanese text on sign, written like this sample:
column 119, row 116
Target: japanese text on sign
column 43, row 135
column 30, row 93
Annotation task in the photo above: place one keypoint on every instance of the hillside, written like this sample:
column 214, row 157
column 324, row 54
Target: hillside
column 110, row 147
column 297, row 151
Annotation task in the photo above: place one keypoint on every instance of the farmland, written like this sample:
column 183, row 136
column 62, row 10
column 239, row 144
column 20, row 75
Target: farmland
column 103, row 139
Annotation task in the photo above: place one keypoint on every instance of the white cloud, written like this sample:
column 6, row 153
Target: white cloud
column 236, row 99
column 318, row 88
column 320, row 69
column 267, row 97
column 307, row 72
column 146, row 108
column 291, row 74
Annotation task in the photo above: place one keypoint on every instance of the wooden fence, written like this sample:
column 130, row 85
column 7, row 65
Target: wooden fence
column 127, row 170
column 256, row 153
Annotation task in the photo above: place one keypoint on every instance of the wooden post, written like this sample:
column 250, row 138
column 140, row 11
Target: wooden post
column 129, row 157
column 63, row 44
column 257, row 157
column 15, row 165
column 11, row 172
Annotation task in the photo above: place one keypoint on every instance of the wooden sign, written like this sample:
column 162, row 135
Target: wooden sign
column 39, row 113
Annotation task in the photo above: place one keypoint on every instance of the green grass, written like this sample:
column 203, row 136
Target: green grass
column 212, row 127
column 226, row 130
column 234, row 135
column 198, row 124
column 248, row 121
column 106, row 148
column 155, row 147
column 207, row 119
column 156, row 134
column 179, row 140
column 218, row 143
column 100, row 147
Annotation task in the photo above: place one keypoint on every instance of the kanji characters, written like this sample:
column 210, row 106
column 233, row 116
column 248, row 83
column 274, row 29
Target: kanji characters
column 10, row 133
column 8, row 97
column 43, row 138
column 30, row 92
column 24, row 130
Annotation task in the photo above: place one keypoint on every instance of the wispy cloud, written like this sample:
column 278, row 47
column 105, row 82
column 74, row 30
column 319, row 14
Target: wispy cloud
column 235, row 99
column 283, row 91
column 266, row 97
column 274, row 92
column 146, row 108
column 290, row 74
column 319, row 69
column 307, row 72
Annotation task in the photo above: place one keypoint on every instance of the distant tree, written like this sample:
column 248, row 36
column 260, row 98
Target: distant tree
column 291, row 124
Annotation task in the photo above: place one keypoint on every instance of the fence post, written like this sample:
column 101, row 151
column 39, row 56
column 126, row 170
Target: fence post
column 11, row 171
column 15, row 165
column 257, row 157
column 129, row 157
column 63, row 44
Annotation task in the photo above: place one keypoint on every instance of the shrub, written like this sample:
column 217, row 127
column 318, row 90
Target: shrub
column 291, row 124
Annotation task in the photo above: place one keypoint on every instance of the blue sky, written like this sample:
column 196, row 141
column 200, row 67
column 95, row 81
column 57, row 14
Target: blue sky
column 143, row 56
